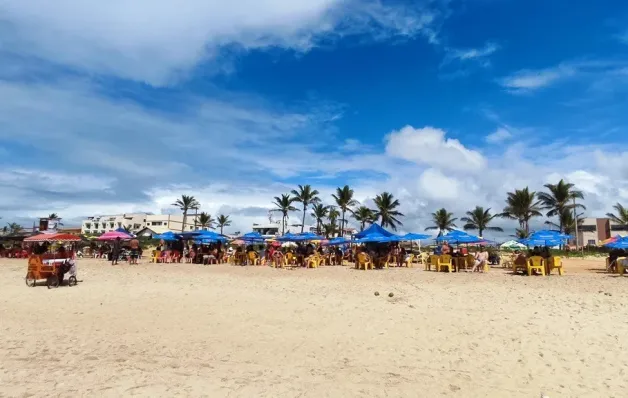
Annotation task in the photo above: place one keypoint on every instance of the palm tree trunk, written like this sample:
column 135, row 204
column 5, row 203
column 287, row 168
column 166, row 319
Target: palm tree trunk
column 342, row 224
column 185, row 217
column 195, row 217
column 283, row 225
column 303, row 219
column 221, row 227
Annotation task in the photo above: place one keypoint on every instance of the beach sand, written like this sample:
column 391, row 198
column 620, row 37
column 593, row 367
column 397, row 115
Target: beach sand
column 193, row 330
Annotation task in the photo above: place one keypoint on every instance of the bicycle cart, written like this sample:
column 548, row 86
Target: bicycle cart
column 51, row 267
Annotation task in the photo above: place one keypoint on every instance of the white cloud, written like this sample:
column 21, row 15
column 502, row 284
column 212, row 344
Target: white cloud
column 473, row 53
column 498, row 136
column 156, row 41
column 429, row 146
column 526, row 80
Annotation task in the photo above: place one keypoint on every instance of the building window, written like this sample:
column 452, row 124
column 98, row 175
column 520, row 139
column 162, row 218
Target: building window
column 591, row 242
column 88, row 226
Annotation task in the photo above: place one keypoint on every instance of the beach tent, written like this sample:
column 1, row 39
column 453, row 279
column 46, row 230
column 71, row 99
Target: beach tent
column 411, row 237
column 251, row 237
column 619, row 243
column 372, row 229
column 338, row 241
column 305, row 237
column 113, row 235
column 376, row 237
column 457, row 237
column 209, row 237
column 512, row 244
column 167, row 236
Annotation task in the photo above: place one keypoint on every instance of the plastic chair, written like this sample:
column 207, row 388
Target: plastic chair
column 433, row 260
column 313, row 261
column 364, row 262
column 621, row 265
column 253, row 258
column 290, row 259
column 156, row 256
column 409, row 261
column 556, row 263
column 536, row 263
column 444, row 261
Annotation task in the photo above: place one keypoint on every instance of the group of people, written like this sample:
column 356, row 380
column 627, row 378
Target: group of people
column 481, row 255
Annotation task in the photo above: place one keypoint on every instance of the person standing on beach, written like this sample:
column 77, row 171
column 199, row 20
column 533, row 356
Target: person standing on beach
column 115, row 252
column 135, row 250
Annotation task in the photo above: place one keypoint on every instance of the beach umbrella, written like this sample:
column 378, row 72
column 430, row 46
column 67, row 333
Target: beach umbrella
column 541, row 242
column 286, row 238
column 374, row 228
column 458, row 237
column 113, row 235
column 512, row 244
column 251, row 237
column 306, row 236
column 620, row 244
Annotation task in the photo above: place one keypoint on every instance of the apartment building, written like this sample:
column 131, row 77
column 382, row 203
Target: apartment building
column 157, row 223
column 594, row 230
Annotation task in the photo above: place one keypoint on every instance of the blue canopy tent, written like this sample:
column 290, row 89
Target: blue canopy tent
column 286, row 238
column 458, row 237
column 373, row 228
column 376, row 237
column 303, row 237
column 210, row 237
column 620, row 243
column 411, row 237
column 338, row 241
column 167, row 236
column 251, row 237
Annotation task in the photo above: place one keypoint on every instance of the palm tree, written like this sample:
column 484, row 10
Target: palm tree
column 283, row 205
column 364, row 215
column 386, row 213
column 479, row 219
column 560, row 198
column 566, row 222
column 319, row 213
column 621, row 217
column 5, row 230
column 14, row 228
column 344, row 200
column 330, row 230
column 223, row 221
column 522, row 205
column 206, row 221
column 186, row 203
column 54, row 218
column 443, row 221
column 305, row 195
column 332, row 216
column 520, row 233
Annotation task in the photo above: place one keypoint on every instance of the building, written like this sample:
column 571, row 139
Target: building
column 273, row 229
column 594, row 230
column 134, row 222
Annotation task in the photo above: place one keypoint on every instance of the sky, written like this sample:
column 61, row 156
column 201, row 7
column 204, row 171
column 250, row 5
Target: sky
column 115, row 107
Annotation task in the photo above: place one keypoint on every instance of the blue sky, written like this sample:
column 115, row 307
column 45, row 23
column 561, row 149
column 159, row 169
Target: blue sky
column 109, row 107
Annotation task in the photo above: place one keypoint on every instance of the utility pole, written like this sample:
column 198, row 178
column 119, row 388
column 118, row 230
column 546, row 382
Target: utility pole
column 575, row 217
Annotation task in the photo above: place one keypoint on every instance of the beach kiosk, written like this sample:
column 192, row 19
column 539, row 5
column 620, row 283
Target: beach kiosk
column 50, row 265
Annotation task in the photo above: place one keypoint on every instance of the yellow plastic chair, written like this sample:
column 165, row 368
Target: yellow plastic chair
column 444, row 261
column 469, row 262
column 536, row 263
column 433, row 260
column 289, row 259
column 156, row 256
column 364, row 261
column 556, row 263
column 410, row 261
column 621, row 267
column 313, row 261
column 253, row 258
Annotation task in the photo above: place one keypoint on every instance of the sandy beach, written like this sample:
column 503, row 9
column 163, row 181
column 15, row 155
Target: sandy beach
column 193, row 330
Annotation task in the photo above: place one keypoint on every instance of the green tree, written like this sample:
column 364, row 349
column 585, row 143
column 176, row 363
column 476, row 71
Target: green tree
column 566, row 222
column 344, row 200
column 479, row 219
column 223, row 221
column 319, row 213
column 364, row 215
column 306, row 196
column 54, row 219
column 521, row 233
column 559, row 199
column 206, row 220
column 522, row 205
column 185, row 204
column 283, row 205
column 14, row 228
column 621, row 215
column 386, row 211
column 443, row 221
column 332, row 216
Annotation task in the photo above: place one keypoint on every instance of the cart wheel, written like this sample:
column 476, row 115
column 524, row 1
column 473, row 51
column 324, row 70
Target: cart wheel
column 30, row 282
column 72, row 281
column 52, row 281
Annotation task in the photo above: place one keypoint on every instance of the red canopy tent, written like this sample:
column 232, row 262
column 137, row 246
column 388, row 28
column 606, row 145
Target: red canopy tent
column 57, row 237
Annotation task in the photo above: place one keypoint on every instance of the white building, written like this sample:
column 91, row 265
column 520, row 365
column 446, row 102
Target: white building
column 157, row 223
column 273, row 229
